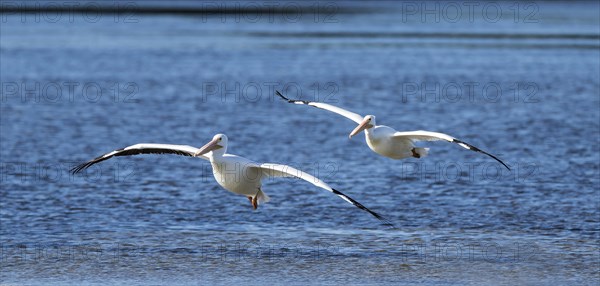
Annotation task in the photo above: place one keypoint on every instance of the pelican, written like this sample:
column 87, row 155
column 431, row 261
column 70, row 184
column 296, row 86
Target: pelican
column 234, row 173
column 386, row 141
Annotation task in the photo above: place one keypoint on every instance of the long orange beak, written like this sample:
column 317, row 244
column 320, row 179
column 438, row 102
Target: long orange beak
column 212, row 145
column 362, row 126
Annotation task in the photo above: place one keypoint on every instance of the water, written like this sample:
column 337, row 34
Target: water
column 527, row 92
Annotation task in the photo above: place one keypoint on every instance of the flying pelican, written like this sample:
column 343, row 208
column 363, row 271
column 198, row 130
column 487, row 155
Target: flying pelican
column 386, row 141
column 235, row 174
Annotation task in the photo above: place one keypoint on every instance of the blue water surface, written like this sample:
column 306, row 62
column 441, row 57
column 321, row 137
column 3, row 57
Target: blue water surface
column 527, row 91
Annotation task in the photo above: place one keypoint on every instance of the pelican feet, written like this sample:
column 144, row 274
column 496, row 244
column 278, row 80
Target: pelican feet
column 253, row 201
column 415, row 154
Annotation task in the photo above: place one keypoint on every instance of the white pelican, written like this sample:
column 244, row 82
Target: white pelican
column 386, row 141
column 235, row 174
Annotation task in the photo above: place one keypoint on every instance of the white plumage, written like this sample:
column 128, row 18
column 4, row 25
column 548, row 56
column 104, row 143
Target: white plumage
column 234, row 173
column 386, row 141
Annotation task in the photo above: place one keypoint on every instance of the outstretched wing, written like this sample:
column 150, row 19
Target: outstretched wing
column 143, row 148
column 350, row 115
column 422, row 135
column 278, row 170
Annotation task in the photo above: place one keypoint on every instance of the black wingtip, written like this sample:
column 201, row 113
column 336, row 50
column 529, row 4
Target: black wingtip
column 506, row 166
column 473, row 148
column 381, row 218
column 496, row 158
column 78, row 168
column 281, row 95
column 291, row 100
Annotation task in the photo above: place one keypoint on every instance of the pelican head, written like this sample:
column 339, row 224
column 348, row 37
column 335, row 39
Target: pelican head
column 218, row 142
column 368, row 122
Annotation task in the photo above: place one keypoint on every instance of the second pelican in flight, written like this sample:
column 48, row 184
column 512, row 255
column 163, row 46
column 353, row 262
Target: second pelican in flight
column 236, row 174
column 386, row 141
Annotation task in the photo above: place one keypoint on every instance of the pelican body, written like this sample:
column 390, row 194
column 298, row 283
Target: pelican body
column 234, row 173
column 238, row 175
column 381, row 140
column 385, row 140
